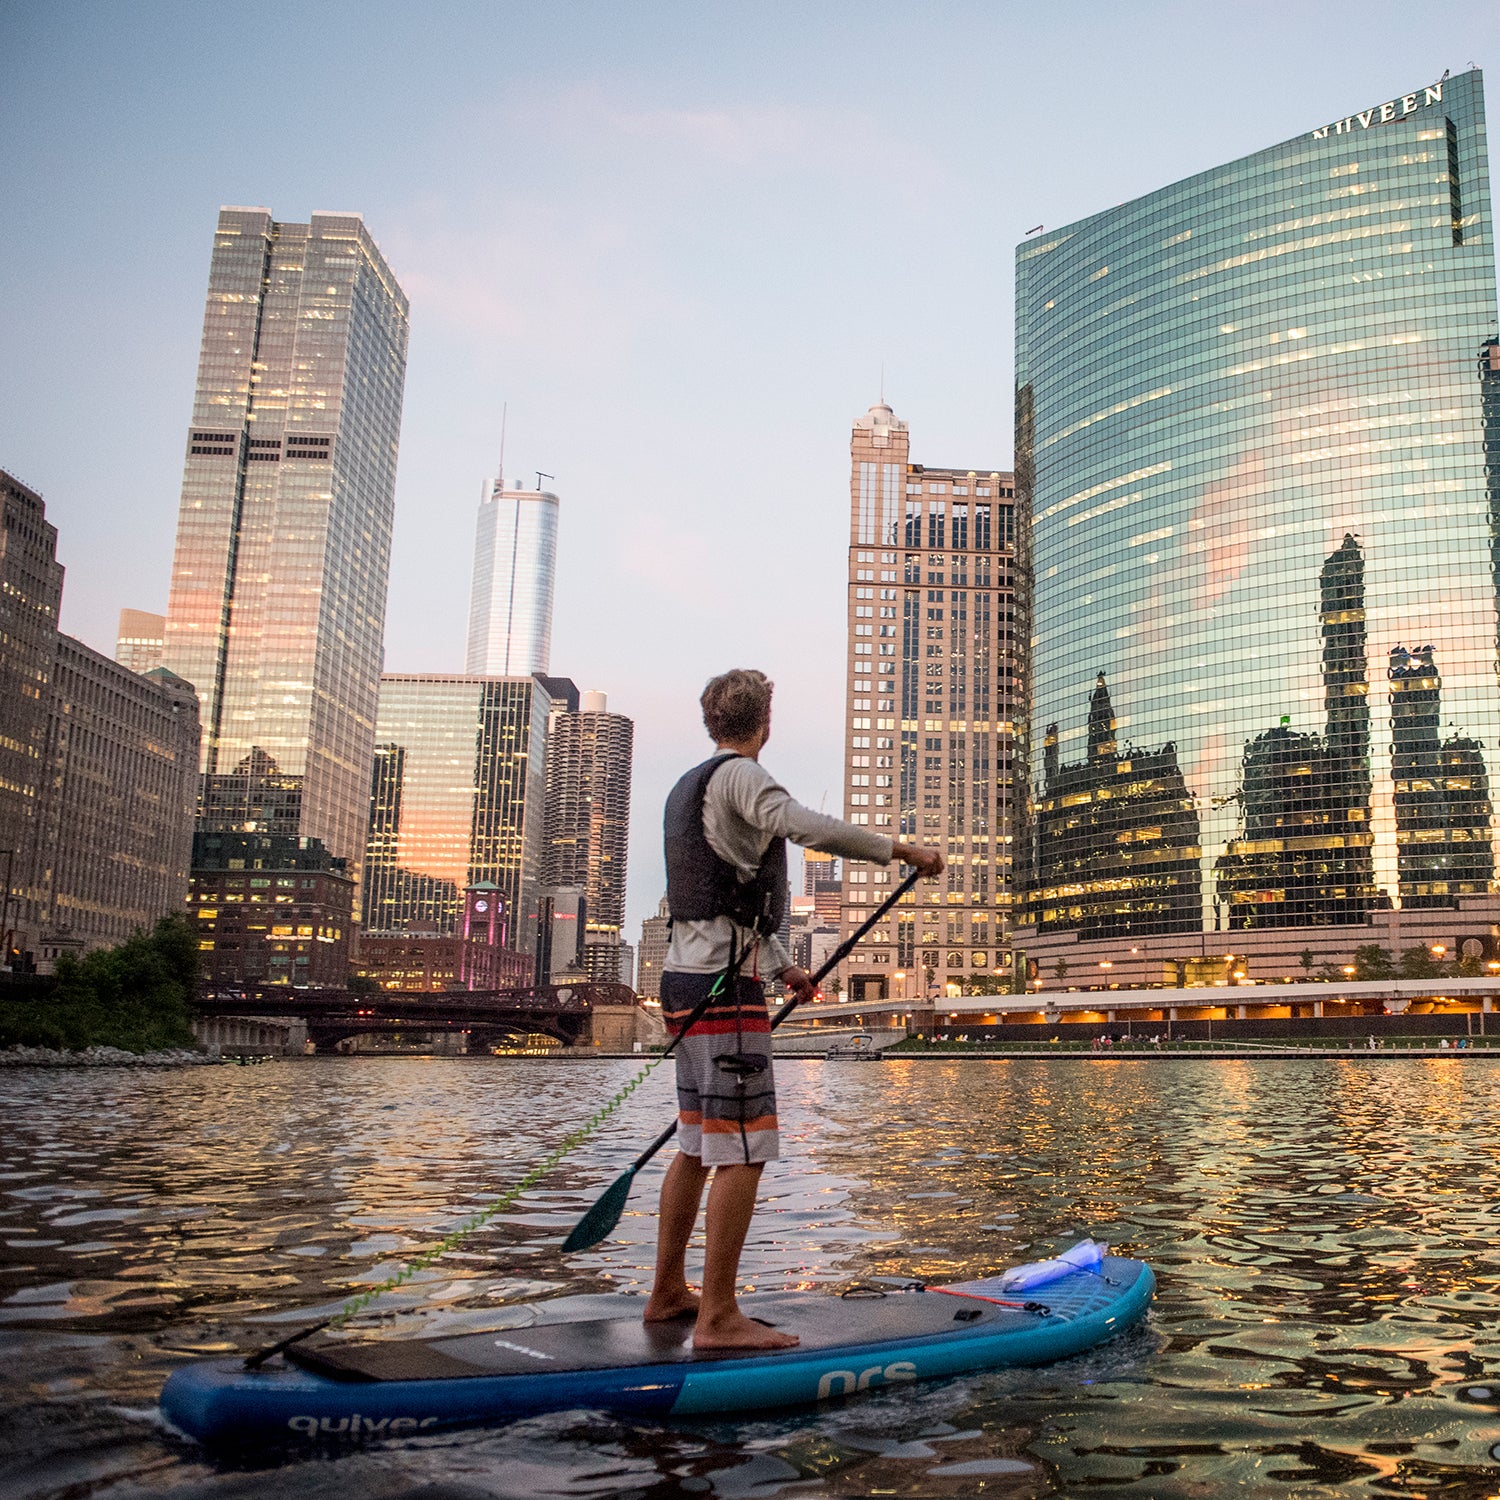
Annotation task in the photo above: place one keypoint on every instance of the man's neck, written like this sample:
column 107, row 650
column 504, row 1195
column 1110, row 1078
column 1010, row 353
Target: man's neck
column 750, row 749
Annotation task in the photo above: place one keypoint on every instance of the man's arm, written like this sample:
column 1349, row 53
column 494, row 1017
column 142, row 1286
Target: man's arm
column 927, row 862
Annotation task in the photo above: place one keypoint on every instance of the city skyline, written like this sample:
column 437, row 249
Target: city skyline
column 611, row 357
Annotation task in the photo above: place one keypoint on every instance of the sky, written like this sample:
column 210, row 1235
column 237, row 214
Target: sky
column 683, row 244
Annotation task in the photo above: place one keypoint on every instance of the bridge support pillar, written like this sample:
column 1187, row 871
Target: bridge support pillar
column 1241, row 1011
column 1317, row 1008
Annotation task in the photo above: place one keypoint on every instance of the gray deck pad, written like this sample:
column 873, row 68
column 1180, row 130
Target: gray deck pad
column 820, row 1320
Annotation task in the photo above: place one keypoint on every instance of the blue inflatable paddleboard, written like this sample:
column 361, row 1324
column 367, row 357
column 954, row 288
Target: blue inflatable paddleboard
column 869, row 1340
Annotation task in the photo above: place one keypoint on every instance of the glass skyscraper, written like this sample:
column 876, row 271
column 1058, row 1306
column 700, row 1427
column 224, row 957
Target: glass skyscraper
column 515, row 563
column 277, row 606
column 587, row 829
column 1256, row 437
column 458, row 797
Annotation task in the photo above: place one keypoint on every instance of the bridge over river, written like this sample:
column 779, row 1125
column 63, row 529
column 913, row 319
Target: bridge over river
column 569, row 1013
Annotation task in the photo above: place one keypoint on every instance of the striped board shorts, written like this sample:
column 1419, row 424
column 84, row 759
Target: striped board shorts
column 726, row 1095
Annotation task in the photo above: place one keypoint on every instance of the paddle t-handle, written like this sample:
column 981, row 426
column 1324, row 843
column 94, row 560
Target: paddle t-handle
column 605, row 1213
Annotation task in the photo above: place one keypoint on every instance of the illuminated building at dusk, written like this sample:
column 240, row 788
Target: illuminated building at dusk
column 475, row 955
column 31, row 580
column 98, row 767
column 1256, row 430
column 588, row 821
column 515, row 564
column 457, row 797
column 278, row 595
column 270, row 909
column 140, row 639
column 936, row 680
column 656, row 934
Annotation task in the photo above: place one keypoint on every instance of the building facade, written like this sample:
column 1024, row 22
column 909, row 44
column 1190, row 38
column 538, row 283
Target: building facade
column 515, row 564
column 822, row 881
column 277, row 605
column 656, row 934
column 31, row 581
column 936, row 682
column 589, row 758
column 475, row 956
column 140, row 639
column 1256, row 435
column 117, row 824
column 562, row 916
column 270, row 909
column 457, row 797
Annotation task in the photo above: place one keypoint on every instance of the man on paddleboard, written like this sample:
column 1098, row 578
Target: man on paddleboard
column 727, row 823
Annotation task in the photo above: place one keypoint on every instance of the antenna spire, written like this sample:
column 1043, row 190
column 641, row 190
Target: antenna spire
column 500, row 476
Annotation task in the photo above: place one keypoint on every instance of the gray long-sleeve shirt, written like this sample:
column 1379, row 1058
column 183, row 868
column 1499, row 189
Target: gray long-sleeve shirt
column 744, row 809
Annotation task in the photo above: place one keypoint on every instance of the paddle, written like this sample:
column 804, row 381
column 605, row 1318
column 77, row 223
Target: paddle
column 605, row 1214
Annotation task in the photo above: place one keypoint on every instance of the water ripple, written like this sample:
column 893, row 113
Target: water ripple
column 1325, row 1236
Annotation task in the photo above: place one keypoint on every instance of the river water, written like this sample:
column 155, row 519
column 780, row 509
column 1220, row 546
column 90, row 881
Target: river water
column 1326, row 1235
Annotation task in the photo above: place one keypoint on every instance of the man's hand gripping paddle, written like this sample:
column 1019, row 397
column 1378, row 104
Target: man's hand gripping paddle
column 605, row 1214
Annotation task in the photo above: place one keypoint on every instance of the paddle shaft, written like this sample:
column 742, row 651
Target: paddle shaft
column 837, row 957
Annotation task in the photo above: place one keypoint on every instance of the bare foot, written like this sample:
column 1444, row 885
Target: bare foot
column 736, row 1331
column 667, row 1306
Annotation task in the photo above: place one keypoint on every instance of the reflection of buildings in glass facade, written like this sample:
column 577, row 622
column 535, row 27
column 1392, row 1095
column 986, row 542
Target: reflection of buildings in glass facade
column 1117, row 837
column 935, row 677
column 1304, row 857
column 1216, row 384
column 456, row 798
column 515, row 562
column 1442, row 796
column 277, row 604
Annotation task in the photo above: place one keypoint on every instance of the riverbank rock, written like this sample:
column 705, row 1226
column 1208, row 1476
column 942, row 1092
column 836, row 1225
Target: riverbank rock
column 102, row 1057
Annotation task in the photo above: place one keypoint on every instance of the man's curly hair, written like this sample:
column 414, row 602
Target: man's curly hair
column 736, row 704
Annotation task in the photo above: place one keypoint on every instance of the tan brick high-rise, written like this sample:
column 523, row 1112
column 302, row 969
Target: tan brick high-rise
column 936, row 658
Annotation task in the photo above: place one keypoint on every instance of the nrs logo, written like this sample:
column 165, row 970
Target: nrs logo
column 844, row 1382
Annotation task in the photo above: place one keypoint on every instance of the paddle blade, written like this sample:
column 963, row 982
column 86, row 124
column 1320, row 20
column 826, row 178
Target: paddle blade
column 602, row 1217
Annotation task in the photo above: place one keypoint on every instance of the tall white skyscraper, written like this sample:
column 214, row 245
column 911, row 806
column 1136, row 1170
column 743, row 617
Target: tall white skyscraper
column 515, row 562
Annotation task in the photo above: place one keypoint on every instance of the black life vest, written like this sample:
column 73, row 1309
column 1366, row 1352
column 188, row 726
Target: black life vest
column 700, row 885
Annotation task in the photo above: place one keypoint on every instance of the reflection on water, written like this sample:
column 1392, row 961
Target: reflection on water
column 1325, row 1235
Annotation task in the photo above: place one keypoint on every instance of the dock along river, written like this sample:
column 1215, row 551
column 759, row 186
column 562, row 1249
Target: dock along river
column 1326, row 1235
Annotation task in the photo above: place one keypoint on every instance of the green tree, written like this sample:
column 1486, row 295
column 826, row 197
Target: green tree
column 1471, row 967
column 986, row 984
column 1418, row 963
column 1371, row 961
column 1305, row 958
column 362, row 984
column 134, row 996
column 1061, row 968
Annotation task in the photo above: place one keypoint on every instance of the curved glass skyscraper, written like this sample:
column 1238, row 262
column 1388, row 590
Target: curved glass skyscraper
column 515, row 564
column 1252, row 423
